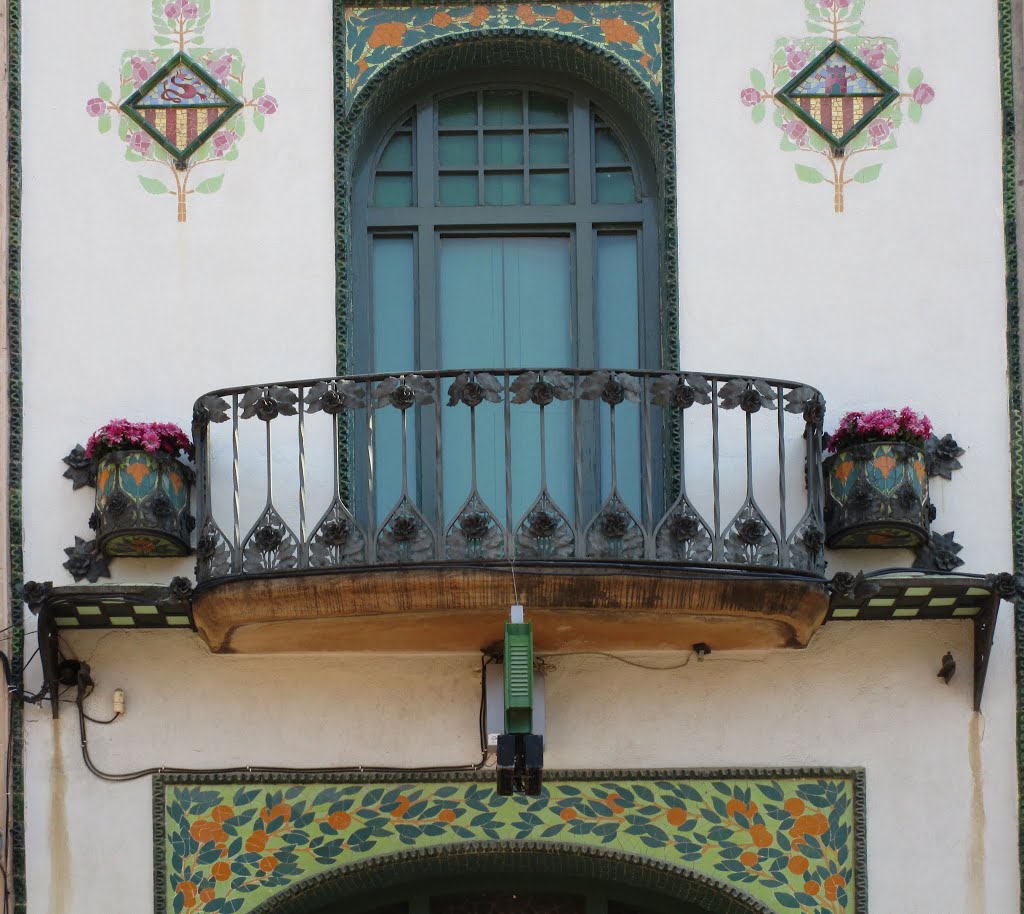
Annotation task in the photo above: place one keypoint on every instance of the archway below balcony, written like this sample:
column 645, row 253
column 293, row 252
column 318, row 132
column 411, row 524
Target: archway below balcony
column 561, row 876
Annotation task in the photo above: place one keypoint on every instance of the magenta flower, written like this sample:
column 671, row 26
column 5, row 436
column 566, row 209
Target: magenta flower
column 750, row 97
column 223, row 140
column 172, row 10
column 923, row 94
column 151, row 436
column 95, row 107
column 138, row 142
column 881, row 424
column 142, row 70
column 797, row 60
column 874, row 57
column 220, row 69
column 835, row 4
column 267, row 104
column 797, row 132
column 880, row 130
column 189, row 10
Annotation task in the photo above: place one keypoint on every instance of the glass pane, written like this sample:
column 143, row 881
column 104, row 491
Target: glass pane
column 457, row 150
column 547, row 109
column 503, row 149
column 609, row 149
column 503, row 190
column 393, row 291
column 457, row 111
column 398, row 153
column 549, row 148
column 506, row 302
column 503, row 109
column 458, row 190
column 615, row 187
column 617, row 300
column 392, row 190
column 549, row 188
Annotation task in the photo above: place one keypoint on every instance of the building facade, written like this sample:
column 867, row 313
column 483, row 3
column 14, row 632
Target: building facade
column 466, row 308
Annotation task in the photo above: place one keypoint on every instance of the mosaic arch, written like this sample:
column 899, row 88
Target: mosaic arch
column 783, row 840
column 838, row 98
column 377, row 35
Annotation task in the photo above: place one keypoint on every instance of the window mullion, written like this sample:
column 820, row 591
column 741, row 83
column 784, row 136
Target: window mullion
column 581, row 144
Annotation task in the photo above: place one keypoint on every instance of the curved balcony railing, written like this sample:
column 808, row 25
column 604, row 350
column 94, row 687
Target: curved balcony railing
column 498, row 465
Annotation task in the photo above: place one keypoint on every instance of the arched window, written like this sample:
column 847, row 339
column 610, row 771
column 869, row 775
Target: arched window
column 507, row 223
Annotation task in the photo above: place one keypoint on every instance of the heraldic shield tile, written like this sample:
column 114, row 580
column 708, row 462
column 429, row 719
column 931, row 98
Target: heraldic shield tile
column 837, row 95
column 181, row 106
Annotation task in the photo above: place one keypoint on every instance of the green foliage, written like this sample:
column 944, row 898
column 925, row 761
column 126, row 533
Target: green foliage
column 105, row 123
column 914, row 112
column 132, row 156
column 814, row 27
column 867, row 175
column 153, row 186
column 258, row 121
column 809, row 175
column 259, row 89
column 210, row 185
column 915, row 77
column 757, row 79
column 105, row 92
column 758, row 113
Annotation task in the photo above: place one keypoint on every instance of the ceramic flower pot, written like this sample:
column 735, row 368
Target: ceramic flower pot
column 142, row 505
column 876, row 497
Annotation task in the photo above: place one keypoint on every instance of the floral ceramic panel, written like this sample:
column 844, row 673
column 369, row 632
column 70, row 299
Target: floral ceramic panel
column 854, row 67
column 789, row 841
column 631, row 31
column 181, row 106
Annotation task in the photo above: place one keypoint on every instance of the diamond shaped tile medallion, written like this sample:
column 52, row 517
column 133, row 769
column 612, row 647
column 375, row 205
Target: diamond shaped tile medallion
column 837, row 95
column 181, row 106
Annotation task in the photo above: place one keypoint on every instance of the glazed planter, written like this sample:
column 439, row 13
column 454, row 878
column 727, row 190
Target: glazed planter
column 876, row 497
column 142, row 504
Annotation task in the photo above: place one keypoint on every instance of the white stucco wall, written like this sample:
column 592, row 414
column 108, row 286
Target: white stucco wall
column 128, row 313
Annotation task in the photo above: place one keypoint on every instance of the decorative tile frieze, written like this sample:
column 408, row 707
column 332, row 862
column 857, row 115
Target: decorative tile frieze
column 792, row 840
column 629, row 31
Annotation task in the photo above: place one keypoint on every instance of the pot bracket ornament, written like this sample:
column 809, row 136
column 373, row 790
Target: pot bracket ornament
column 836, row 94
column 181, row 106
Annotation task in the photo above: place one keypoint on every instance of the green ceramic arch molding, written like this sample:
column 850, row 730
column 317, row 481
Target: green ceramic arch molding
column 777, row 840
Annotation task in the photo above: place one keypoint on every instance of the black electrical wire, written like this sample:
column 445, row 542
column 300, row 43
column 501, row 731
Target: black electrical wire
column 12, row 686
column 83, row 691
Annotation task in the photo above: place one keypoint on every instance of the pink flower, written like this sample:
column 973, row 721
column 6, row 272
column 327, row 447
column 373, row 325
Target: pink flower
column 172, row 10
column 879, row 131
column 923, row 94
column 267, row 104
column 223, row 140
column 797, row 60
column 834, row 4
column 220, row 69
column 797, row 132
column 750, row 97
column 142, row 70
column 138, row 142
column 150, row 440
column 189, row 10
column 874, row 57
column 95, row 107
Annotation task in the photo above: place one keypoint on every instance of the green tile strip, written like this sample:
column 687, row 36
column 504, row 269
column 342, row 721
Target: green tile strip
column 15, row 407
column 1013, row 344
column 126, row 606
column 780, row 839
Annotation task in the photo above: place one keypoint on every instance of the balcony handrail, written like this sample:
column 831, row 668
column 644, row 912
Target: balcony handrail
column 659, row 520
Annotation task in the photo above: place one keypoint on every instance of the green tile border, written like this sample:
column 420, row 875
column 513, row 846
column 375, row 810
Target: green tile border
column 15, row 414
column 1013, row 355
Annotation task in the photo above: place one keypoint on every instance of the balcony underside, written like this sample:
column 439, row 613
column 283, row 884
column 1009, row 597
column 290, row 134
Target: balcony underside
column 573, row 607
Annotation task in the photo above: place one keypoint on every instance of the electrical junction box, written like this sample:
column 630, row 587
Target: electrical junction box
column 495, row 691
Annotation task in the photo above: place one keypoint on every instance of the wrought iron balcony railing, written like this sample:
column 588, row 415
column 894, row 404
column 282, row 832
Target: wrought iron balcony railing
column 491, row 466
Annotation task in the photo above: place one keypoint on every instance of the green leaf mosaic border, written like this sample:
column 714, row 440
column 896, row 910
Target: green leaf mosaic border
column 789, row 839
column 15, row 419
